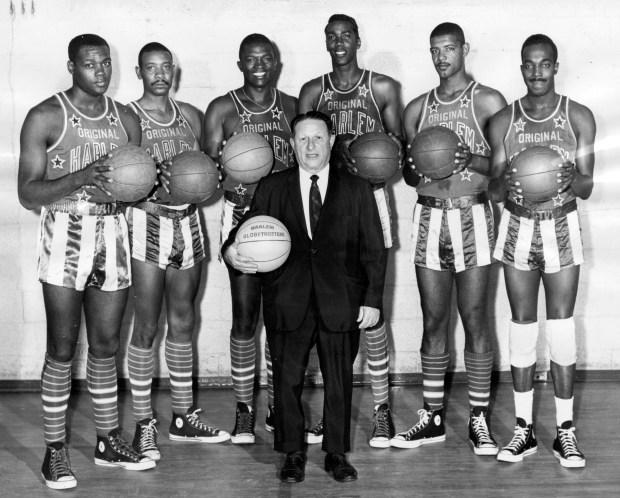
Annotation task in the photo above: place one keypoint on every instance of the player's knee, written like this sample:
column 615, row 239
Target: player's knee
column 103, row 350
column 243, row 328
column 61, row 354
column 143, row 335
column 523, row 338
column 181, row 329
column 562, row 341
column 433, row 343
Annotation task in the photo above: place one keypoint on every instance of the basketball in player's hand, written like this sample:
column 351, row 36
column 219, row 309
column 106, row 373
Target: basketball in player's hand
column 193, row 177
column 377, row 156
column 133, row 175
column 536, row 169
column 247, row 157
column 433, row 152
column 266, row 240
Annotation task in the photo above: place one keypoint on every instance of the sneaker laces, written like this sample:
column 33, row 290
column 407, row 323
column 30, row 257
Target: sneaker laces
column 479, row 425
column 318, row 428
column 518, row 440
column 244, row 422
column 195, row 421
column 121, row 446
column 568, row 441
column 424, row 418
column 59, row 464
column 382, row 428
column 147, row 436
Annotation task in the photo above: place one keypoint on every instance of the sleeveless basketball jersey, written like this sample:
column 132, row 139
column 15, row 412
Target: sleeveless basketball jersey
column 164, row 141
column 554, row 131
column 353, row 112
column 82, row 141
column 459, row 115
column 273, row 124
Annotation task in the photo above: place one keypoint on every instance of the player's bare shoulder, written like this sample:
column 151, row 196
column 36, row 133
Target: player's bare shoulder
column 581, row 117
column 488, row 101
column 130, row 121
column 310, row 94
column 191, row 113
column 220, row 108
column 290, row 104
column 46, row 117
column 383, row 83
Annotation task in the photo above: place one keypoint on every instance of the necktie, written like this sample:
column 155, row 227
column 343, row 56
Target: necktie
column 315, row 203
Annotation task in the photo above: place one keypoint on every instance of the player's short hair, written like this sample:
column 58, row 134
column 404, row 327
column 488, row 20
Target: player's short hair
column 254, row 38
column 86, row 40
column 317, row 115
column 447, row 29
column 344, row 18
column 540, row 39
column 152, row 47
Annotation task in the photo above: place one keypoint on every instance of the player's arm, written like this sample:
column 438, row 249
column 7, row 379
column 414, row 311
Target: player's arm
column 291, row 106
column 498, row 126
column 42, row 127
column 411, row 120
column 213, row 127
column 386, row 91
column 131, row 123
column 310, row 95
column 584, row 126
column 195, row 122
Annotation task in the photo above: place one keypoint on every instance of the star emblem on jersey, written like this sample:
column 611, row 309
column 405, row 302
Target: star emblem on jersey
column 182, row 121
column 145, row 124
column 427, row 179
column 57, row 162
column 465, row 101
column 112, row 119
column 363, row 91
column 466, row 175
column 83, row 196
column 245, row 117
column 559, row 122
column 433, row 107
column 328, row 94
column 75, row 121
column 276, row 113
column 240, row 189
column 518, row 200
column 481, row 148
column 558, row 200
column 519, row 125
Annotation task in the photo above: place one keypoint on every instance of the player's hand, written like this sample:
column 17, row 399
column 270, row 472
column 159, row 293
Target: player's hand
column 94, row 174
column 163, row 174
column 218, row 163
column 368, row 317
column 462, row 158
column 342, row 156
column 513, row 186
column 243, row 264
column 566, row 175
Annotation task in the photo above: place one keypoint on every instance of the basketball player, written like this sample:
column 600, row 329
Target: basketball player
column 256, row 107
column 358, row 101
column 541, row 241
column 83, row 249
column 453, row 239
column 167, row 249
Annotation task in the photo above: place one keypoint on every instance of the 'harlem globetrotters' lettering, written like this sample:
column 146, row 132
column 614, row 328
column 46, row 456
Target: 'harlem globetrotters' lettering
column 260, row 231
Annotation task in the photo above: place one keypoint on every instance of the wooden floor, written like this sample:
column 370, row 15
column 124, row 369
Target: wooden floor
column 226, row 470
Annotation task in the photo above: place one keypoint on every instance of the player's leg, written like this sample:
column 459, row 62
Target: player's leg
column 522, row 288
column 148, row 292
column 435, row 289
column 246, row 297
column 471, row 292
column 561, row 293
column 63, row 308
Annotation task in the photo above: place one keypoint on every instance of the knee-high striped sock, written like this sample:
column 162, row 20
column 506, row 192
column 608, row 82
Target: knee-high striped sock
column 433, row 376
column 141, row 366
column 180, row 361
column 479, row 368
column 242, row 367
column 55, row 391
column 270, row 400
column 377, row 355
column 103, row 387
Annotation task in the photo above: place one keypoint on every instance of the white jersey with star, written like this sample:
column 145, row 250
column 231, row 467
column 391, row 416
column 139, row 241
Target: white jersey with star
column 353, row 112
column 273, row 124
column 554, row 131
column 458, row 115
column 82, row 141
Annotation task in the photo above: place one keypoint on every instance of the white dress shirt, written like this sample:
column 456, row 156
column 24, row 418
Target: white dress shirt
column 305, row 183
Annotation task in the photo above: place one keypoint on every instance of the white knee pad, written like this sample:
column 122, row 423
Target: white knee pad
column 523, row 339
column 562, row 341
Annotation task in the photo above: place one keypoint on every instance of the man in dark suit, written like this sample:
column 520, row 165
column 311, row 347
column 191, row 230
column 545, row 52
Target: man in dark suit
column 330, row 287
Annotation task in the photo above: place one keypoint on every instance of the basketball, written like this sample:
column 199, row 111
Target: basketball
column 536, row 169
column 376, row 156
column 247, row 157
column 193, row 177
column 134, row 173
column 432, row 151
column 266, row 240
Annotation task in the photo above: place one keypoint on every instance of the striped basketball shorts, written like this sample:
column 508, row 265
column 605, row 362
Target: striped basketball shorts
column 548, row 241
column 234, row 206
column 84, row 250
column 382, row 199
column 452, row 234
column 165, row 237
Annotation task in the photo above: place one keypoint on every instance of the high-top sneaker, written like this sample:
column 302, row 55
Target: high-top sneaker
column 270, row 419
column 430, row 429
column 480, row 437
column 382, row 427
column 56, row 468
column 145, row 439
column 565, row 447
column 243, row 433
column 189, row 427
column 113, row 451
column 314, row 435
column 523, row 443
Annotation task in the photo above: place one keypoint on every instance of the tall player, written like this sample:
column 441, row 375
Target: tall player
column 359, row 101
column 256, row 107
column 453, row 239
column 542, row 241
column 167, row 249
column 83, row 249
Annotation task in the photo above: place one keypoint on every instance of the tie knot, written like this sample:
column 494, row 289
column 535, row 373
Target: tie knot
column 314, row 178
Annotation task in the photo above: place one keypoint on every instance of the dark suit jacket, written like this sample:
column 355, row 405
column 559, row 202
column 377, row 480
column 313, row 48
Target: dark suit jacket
column 345, row 261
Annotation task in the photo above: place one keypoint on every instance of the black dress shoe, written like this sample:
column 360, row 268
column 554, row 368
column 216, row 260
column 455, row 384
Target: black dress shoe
column 340, row 468
column 294, row 467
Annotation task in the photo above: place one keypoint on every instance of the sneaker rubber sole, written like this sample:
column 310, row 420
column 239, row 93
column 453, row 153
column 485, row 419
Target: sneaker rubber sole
column 64, row 484
column 312, row 438
column 200, row 439
column 401, row 443
column 154, row 455
column 484, row 450
column 243, row 439
column 509, row 457
column 569, row 464
column 376, row 442
column 145, row 465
